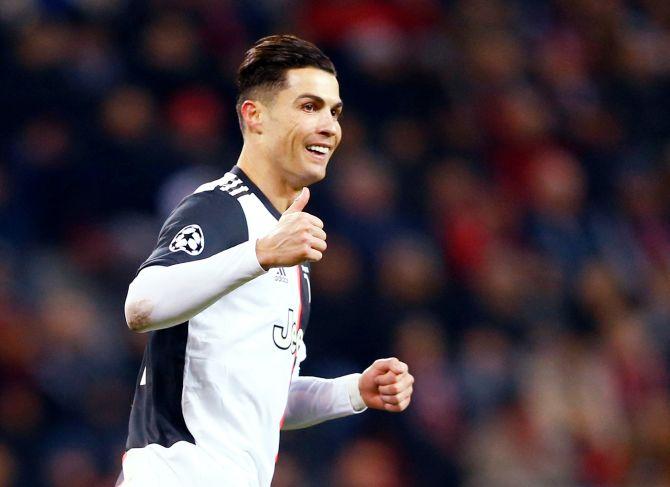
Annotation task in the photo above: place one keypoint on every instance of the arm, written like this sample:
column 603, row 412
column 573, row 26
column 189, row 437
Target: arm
column 312, row 400
column 385, row 385
column 177, row 281
column 161, row 296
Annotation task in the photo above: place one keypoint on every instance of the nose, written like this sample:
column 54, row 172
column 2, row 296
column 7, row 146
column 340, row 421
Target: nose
column 328, row 132
column 328, row 126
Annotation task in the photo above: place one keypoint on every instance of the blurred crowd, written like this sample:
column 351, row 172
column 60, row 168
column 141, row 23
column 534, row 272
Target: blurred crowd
column 498, row 217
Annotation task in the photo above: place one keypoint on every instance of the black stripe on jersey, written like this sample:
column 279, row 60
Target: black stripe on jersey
column 156, row 415
column 266, row 202
column 220, row 217
column 305, row 295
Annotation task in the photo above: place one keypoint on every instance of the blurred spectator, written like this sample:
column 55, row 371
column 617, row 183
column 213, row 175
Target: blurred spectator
column 434, row 425
column 486, row 371
column 339, row 310
column 369, row 461
column 288, row 473
column 7, row 466
column 71, row 467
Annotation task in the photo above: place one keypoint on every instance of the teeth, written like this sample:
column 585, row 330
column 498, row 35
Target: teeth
column 318, row 148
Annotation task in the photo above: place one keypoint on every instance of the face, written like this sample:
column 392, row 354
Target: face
column 300, row 128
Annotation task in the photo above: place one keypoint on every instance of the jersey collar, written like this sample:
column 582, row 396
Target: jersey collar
column 237, row 171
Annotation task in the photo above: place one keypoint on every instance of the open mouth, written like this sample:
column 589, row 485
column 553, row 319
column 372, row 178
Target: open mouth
column 320, row 151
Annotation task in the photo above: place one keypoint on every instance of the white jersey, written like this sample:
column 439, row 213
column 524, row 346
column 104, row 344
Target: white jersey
column 211, row 392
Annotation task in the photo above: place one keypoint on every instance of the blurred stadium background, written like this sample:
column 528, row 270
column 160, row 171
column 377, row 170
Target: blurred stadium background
column 498, row 217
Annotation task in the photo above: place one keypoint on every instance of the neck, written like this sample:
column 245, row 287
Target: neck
column 262, row 173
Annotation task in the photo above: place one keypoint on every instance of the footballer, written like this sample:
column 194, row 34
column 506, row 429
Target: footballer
column 226, row 295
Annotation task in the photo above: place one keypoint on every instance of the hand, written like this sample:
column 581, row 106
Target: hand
column 298, row 237
column 386, row 385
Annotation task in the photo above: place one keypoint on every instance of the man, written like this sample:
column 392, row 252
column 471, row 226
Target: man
column 226, row 293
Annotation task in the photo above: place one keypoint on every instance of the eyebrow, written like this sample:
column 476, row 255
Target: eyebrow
column 318, row 99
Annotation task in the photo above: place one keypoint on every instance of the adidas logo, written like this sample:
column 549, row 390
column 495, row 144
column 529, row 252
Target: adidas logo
column 234, row 187
column 281, row 276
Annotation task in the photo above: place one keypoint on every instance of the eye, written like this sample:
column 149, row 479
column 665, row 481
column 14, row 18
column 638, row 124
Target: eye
column 309, row 107
column 336, row 113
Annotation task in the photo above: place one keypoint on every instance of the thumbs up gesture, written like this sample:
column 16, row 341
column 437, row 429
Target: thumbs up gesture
column 298, row 237
column 386, row 385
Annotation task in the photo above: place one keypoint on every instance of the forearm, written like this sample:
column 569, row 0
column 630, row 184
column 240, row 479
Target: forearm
column 164, row 296
column 313, row 400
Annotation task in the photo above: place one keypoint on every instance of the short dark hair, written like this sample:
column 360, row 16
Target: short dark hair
column 266, row 62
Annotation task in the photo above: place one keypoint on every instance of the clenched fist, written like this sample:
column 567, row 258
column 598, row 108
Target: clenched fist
column 386, row 385
column 298, row 237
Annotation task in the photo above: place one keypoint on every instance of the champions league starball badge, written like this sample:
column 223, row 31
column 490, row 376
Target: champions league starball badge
column 190, row 239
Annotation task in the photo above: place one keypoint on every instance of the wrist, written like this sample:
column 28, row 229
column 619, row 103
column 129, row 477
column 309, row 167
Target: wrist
column 354, row 391
column 261, row 255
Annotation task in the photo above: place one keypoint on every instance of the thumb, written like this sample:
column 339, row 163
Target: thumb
column 300, row 202
column 383, row 365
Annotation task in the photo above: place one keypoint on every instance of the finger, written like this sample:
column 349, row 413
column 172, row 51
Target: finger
column 390, row 363
column 396, row 387
column 318, row 244
column 397, row 408
column 315, row 220
column 390, row 399
column 407, row 393
column 399, row 367
column 385, row 379
column 317, row 232
column 313, row 255
column 300, row 202
column 389, row 377
column 302, row 218
column 383, row 364
column 397, row 398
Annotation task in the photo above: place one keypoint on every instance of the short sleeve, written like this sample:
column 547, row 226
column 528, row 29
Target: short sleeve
column 202, row 225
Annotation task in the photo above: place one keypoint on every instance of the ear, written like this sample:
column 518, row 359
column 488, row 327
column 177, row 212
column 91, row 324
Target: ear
column 251, row 111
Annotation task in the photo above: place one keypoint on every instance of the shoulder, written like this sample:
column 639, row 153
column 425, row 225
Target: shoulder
column 216, row 200
column 229, row 184
column 204, row 223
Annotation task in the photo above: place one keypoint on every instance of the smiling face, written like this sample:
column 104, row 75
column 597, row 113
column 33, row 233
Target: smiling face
column 300, row 128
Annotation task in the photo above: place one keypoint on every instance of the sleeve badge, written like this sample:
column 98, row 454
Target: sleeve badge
column 190, row 239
